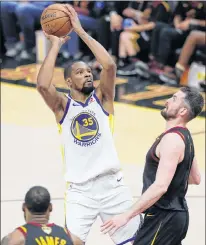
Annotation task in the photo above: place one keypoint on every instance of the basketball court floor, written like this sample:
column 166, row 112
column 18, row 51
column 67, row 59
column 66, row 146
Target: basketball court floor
column 30, row 155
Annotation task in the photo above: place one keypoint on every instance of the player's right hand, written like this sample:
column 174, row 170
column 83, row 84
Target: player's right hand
column 115, row 223
column 57, row 40
column 74, row 19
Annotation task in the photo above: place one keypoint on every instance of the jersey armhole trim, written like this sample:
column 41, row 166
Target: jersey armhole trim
column 98, row 101
column 67, row 232
column 66, row 110
column 22, row 230
column 153, row 153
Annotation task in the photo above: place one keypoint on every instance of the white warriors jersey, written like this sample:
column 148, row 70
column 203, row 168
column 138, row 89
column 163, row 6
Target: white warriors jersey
column 87, row 144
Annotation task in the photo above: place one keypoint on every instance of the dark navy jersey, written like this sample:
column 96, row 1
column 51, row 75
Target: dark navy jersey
column 174, row 198
column 50, row 234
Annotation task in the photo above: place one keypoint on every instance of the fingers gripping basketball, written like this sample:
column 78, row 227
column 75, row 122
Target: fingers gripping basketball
column 55, row 20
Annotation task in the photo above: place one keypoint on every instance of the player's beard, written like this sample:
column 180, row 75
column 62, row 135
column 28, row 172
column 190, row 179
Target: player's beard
column 87, row 90
column 169, row 115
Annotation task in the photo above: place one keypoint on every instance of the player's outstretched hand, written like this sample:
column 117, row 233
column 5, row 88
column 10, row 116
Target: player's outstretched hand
column 115, row 223
column 73, row 17
column 59, row 40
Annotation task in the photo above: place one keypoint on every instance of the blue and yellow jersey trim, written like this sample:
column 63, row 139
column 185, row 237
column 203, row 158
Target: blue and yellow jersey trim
column 111, row 123
column 62, row 150
column 62, row 147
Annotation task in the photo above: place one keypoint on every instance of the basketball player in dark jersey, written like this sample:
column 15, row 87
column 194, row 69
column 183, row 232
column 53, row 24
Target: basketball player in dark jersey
column 37, row 230
column 170, row 166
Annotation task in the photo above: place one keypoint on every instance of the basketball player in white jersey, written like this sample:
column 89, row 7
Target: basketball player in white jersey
column 95, row 182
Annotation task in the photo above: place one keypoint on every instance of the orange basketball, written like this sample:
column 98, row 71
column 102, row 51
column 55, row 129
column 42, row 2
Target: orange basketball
column 55, row 20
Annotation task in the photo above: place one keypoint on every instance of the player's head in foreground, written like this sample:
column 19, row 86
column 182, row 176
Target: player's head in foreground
column 183, row 106
column 37, row 204
column 79, row 77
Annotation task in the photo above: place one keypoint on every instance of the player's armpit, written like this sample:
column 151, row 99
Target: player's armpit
column 14, row 238
column 54, row 99
column 195, row 176
column 107, row 81
column 171, row 151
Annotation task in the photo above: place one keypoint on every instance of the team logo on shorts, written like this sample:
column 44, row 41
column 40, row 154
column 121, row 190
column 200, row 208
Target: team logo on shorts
column 85, row 129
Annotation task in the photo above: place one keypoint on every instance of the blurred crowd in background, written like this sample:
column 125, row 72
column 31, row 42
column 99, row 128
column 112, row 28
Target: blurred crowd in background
column 157, row 37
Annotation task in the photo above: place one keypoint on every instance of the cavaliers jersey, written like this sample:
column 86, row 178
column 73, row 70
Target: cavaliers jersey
column 50, row 234
column 174, row 198
column 87, row 143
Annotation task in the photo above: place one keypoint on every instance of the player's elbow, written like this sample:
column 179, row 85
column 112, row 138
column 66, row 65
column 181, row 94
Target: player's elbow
column 194, row 178
column 197, row 180
column 41, row 87
column 111, row 66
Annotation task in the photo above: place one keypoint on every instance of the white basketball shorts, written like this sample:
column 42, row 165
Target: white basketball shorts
column 104, row 196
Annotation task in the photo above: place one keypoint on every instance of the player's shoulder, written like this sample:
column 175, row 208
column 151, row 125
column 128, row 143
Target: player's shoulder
column 172, row 139
column 16, row 237
column 64, row 231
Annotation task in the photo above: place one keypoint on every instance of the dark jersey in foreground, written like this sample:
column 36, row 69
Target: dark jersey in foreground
column 50, row 234
column 166, row 222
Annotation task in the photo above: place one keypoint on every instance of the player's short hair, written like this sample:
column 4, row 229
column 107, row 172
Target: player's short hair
column 37, row 199
column 194, row 100
column 67, row 72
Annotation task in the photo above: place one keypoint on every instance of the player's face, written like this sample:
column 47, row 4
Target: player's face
column 174, row 107
column 82, row 78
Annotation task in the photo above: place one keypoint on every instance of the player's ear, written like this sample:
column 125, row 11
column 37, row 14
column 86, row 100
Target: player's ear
column 69, row 82
column 183, row 111
column 50, row 207
column 23, row 207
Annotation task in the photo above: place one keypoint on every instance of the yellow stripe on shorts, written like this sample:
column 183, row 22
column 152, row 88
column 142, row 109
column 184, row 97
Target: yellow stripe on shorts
column 153, row 241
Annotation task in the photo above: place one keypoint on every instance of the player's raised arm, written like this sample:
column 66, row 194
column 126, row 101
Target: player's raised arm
column 52, row 98
column 108, row 74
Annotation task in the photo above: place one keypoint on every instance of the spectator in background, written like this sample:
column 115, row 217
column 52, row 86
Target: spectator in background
column 110, row 24
column 194, row 40
column 135, row 39
column 166, row 38
column 22, row 16
column 88, row 13
column 2, row 46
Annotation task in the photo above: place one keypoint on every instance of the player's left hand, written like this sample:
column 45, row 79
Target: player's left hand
column 115, row 223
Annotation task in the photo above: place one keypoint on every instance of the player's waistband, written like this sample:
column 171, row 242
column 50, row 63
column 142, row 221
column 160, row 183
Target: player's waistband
column 100, row 176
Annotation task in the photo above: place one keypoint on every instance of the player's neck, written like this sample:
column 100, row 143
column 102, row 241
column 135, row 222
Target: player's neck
column 175, row 123
column 39, row 219
column 78, row 96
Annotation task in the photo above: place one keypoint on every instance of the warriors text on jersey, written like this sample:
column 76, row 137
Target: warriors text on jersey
column 87, row 144
column 50, row 234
